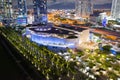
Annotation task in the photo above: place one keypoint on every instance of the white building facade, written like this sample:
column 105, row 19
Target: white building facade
column 83, row 8
column 115, row 11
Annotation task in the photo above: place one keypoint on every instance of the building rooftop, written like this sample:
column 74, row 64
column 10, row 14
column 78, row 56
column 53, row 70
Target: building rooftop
column 54, row 30
column 72, row 27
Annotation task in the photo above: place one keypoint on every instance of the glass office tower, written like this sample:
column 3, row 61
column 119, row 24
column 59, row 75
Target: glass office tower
column 22, row 10
column 83, row 8
column 40, row 11
column 22, row 7
column 6, row 8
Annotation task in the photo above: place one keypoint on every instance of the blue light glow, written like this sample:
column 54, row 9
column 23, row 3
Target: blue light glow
column 22, row 20
column 104, row 22
column 44, row 18
column 47, row 40
column 113, row 51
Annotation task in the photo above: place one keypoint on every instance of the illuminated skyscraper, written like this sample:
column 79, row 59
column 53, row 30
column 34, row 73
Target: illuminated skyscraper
column 22, row 10
column 6, row 8
column 2, row 11
column 40, row 11
column 54, row 0
column 90, row 6
column 115, row 11
column 83, row 8
column 22, row 7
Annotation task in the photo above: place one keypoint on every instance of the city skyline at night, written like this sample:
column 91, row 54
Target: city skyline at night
column 29, row 2
column 60, row 39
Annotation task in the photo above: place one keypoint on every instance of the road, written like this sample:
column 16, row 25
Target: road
column 95, row 30
column 75, row 28
column 107, row 32
column 102, row 31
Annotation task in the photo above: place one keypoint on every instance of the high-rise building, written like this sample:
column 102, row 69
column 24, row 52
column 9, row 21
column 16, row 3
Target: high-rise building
column 6, row 8
column 22, row 7
column 115, row 11
column 40, row 11
column 90, row 6
column 2, row 6
column 83, row 8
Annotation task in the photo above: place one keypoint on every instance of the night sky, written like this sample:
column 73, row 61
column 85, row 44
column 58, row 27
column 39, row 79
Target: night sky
column 102, row 1
column 94, row 1
column 69, row 3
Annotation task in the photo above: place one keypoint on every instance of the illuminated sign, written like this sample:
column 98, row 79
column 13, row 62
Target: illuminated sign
column 104, row 22
column 113, row 51
column 22, row 20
